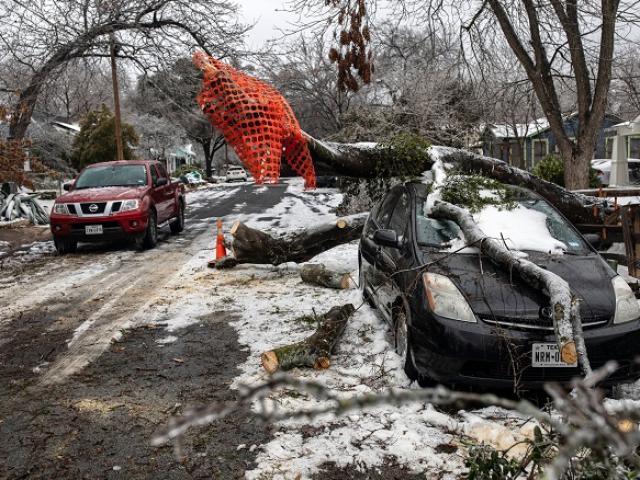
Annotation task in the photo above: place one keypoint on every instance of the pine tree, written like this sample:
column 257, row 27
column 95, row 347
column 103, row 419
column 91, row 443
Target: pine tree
column 96, row 141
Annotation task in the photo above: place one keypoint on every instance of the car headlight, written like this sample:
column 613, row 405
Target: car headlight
column 627, row 308
column 129, row 205
column 445, row 299
column 61, row 209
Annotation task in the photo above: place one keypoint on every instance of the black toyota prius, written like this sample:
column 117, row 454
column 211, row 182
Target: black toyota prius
column 458, row 318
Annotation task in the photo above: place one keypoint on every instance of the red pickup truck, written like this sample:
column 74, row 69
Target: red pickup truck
column 115, row 200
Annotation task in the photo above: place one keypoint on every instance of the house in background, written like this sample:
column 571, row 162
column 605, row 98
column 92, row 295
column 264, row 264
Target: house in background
column 524, row 145
column 181, row 155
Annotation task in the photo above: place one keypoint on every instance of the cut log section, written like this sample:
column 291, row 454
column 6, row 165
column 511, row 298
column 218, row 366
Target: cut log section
column 255, row 246
column 319, row 274
column 566, row 315
column 316, row 350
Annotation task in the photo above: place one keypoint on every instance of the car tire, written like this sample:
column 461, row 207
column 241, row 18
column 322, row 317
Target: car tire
column 150, row 237
column 64, row 246
column 403, row 344
column 177, row 224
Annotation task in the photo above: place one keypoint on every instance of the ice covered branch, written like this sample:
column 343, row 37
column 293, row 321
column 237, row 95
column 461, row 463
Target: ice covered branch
column 566, row 316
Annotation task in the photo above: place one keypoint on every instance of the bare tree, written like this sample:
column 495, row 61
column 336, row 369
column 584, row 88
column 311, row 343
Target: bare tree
column 305, row 76
column 81, row 86
column 170, row 93
column 555, row 43
column 43, row 37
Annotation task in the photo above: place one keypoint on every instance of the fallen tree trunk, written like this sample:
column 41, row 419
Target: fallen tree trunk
column 255, row 246
column 566, row 316
column 359, row 161
column 319, row 274
column 315, row 350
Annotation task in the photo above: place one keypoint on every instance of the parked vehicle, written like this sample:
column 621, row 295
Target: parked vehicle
column 459, row 318
column 115, row 200
column 236, row 174
column 602, row 166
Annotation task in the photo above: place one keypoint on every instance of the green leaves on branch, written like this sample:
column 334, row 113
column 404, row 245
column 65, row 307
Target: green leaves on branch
column 474, row 192
column 404, row 156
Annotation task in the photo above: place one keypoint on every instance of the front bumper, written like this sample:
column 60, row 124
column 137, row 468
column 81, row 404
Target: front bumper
column 114, row 227
column 481, row 355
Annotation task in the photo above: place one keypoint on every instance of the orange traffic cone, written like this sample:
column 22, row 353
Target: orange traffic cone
column 220, row 250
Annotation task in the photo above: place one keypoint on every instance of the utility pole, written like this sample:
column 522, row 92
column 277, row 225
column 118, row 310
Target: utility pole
column 116, row 100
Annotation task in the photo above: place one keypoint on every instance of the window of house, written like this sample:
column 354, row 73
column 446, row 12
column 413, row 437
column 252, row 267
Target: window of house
column 540, row 149
column 633, row 146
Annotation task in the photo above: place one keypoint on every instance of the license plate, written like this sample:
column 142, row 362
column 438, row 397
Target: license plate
column 547, row 355
column 93, row 229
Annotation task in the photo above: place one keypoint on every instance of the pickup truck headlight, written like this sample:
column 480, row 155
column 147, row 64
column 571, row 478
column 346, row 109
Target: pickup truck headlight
column 445, row 299
column 61, row 209
column 129, row 205
column 627, row 308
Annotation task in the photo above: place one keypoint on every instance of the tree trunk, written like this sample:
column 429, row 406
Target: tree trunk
column 315, row 350
column 566, row 315
column 208, row 157
column 318, row 274
column 254, row 246
column 359, row 162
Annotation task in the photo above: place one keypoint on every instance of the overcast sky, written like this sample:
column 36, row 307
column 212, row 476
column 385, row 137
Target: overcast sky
column 267, row 16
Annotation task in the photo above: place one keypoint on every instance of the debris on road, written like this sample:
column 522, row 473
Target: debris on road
column 315, row 350
column 18, row 206
column 319, row 274
column 254, row 246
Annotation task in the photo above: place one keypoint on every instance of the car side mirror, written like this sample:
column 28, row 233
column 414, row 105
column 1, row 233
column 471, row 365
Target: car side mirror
column 67, row 186
column 161, row 181
column 594, row 240
column 386, row 238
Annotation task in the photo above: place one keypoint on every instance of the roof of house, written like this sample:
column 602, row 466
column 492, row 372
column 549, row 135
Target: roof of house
column 525, row 130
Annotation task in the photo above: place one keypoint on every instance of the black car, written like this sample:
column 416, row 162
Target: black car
column 458, row 318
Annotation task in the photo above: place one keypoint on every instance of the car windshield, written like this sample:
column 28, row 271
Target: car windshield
column 532, row 225
column 113, row 176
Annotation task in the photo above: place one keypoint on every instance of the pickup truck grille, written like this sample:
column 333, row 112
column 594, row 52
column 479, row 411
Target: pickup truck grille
column 86, row 208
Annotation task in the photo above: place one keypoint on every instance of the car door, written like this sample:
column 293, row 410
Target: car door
column 390, row 259
column 371, row 250
column 168, row 193
column 157, row 194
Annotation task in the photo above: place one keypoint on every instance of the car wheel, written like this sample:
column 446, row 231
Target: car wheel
column 177, row 224
column 403, row 345
column 64, row 246
column 150, row 238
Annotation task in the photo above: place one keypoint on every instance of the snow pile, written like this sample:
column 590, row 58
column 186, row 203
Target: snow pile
column 520, row 229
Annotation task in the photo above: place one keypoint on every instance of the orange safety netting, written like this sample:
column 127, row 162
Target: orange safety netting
column 255, row 120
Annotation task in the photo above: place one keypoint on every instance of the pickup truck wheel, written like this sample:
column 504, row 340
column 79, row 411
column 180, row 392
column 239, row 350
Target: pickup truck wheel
column 150, row 238
column 177, row 224
column 64, row 246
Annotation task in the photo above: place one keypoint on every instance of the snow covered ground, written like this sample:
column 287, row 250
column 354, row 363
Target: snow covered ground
column 269, row 302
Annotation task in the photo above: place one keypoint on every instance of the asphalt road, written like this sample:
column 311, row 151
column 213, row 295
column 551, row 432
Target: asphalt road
column 83, row 382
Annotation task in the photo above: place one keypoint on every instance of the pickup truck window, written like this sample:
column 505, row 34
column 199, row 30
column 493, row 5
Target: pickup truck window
column 112, row 176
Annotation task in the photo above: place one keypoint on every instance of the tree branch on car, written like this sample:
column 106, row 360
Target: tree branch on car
column 565, row 314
